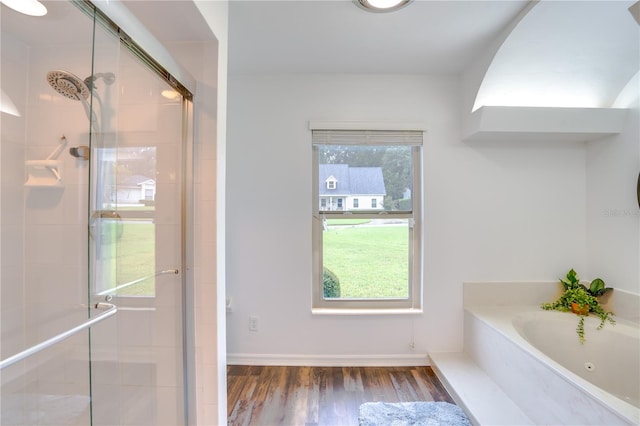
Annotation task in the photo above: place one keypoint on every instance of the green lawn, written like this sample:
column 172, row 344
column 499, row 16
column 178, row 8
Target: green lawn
column 133, row 256
column 370, row 262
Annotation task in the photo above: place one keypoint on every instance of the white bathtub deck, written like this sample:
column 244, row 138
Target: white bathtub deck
column 481, row 398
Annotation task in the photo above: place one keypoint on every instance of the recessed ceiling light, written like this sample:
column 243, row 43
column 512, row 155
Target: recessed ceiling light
column 172, row 95
column 7, row 105
column 382, row 5
column 28, row 7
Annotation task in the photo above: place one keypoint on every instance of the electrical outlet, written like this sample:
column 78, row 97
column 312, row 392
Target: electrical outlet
column 253, row 323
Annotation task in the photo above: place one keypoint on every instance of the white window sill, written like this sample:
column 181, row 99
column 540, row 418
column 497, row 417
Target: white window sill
column 348, row 311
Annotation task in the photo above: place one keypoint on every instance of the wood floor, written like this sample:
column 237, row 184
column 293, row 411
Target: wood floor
column 323, row 396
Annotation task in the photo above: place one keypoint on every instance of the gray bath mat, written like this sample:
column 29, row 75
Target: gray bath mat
column 412, row 414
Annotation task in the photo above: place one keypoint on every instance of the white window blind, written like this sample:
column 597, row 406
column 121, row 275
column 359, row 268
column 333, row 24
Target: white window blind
column 367, row 137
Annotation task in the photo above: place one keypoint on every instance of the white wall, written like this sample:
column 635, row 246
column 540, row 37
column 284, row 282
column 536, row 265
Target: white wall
column 493, row 211
column 613, row 216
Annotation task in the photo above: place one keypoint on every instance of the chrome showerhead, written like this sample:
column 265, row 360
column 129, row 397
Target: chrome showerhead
column 68, row 85
column 72, row 87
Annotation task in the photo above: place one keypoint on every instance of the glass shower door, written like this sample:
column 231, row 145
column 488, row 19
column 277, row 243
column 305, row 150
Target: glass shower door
column 91, row 166
column 45, row 368
column 136, row 242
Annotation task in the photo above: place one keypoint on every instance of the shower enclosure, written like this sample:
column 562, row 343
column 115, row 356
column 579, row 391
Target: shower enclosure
column 92, row 213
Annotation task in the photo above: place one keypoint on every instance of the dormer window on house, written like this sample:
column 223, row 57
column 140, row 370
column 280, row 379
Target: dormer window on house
column 332, row 183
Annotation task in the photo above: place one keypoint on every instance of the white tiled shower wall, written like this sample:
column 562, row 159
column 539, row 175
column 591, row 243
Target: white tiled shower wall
column 43, row 238
column 12, row 156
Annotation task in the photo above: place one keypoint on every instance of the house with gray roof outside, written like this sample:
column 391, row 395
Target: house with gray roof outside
column 347, row 188
column 134, row 190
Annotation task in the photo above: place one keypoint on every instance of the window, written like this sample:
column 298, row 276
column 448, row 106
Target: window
column 323, row 203
column 376, row 259
column 331, row 183
column 124, row 220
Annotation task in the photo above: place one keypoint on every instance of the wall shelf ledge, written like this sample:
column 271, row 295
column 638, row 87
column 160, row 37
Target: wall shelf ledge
column 507, row 123
column 44, row 173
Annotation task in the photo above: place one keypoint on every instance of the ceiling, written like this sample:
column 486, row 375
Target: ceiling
column 426, row 37
column 171, row 21
column 336, row 36
column 63, row 24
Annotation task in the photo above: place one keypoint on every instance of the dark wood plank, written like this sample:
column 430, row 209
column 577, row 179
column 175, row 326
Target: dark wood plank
column 419, row 383
column 407, row 392
column 321, row 396
column 317, row 385
column 437, row 390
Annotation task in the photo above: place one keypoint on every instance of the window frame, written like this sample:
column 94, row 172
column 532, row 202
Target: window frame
column 413, row 303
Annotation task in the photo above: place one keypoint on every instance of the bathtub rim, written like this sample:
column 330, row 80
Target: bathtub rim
column 500, row 319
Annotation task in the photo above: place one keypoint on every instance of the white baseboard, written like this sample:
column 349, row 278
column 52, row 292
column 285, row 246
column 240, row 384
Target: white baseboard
column 400, row 360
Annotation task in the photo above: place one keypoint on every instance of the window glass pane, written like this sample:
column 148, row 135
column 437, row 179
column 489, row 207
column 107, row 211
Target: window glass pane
column 138, row 176
column 135, row 258
column 365, row 259
column 379, row 176
column 127, row 229
column 369, row 258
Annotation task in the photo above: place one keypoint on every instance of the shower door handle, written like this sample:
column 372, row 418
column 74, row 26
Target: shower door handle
column 108, row 310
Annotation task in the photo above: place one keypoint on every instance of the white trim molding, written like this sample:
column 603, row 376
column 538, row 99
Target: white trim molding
column 394, row 360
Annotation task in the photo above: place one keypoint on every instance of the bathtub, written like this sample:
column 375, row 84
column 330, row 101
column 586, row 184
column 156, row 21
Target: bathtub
column 536, row 358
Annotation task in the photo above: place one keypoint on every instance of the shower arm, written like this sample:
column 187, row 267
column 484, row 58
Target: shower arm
column 91, row 115
column 108, row 78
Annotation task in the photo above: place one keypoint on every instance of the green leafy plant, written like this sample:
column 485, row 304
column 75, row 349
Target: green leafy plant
column 330, row 284
column 596, row 288
column 571, row 280
column 582, row 301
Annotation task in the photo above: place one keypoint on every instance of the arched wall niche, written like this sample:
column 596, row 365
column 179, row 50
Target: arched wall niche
column 559, row 72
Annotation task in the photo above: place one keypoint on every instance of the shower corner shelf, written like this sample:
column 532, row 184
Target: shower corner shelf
column 44, row 174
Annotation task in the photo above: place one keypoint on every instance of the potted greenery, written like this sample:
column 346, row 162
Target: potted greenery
column 581, row 300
